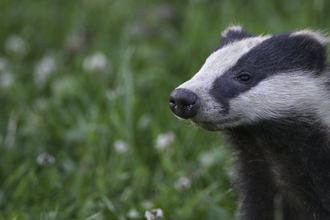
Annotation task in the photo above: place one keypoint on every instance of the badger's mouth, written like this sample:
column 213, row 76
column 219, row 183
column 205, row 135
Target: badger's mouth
column 217, row 125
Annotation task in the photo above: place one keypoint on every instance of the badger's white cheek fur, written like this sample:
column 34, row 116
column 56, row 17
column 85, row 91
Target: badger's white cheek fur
column 279, row 96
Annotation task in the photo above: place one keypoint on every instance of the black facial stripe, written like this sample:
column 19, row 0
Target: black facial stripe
column 278, row 54
column 231, row 36
column 227, row 87
column 284, row 53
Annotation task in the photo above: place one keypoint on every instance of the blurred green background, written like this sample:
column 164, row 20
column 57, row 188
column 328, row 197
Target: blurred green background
column 85, row 128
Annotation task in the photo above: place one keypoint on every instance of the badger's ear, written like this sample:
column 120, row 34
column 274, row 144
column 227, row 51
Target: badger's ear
column 231, row 34
column 320, row 37
column 234, row 32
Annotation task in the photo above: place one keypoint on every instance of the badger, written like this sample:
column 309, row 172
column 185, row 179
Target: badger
column 269, row 95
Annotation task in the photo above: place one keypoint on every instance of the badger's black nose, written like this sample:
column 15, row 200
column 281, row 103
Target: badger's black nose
column 184, row 103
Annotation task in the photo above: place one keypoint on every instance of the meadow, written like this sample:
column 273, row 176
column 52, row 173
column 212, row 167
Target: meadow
column 85, row 127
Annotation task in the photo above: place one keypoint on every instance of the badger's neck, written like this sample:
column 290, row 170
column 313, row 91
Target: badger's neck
column 293, row 151
column 295, row 134
column 287, row 157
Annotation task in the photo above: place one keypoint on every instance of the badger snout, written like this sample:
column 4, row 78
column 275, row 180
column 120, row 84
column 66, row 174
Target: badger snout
column 184, row 103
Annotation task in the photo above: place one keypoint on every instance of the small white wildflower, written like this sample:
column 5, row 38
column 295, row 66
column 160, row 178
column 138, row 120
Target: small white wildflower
column 65, row 86
column 121, row 146
column 164, row 140
column 45, row 159
column 208, row 159
column 15, row 44
column 41, row 104
column 44, row 68
column 155, row 214
column 11, row 129
column 147, row 204
column 211, row 157
column 182, row 183
column 133, row 214
column 124, row 176
column 97, row 62
column 144, row 122
column 138, row 30
column 113, row 94
column 6, row 80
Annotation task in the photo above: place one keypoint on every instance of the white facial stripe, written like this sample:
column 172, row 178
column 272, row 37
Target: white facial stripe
column 280, row 95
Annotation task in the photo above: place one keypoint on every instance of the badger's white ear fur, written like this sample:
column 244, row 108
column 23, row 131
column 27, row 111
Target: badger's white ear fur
column 316, row 35
column 234, row 28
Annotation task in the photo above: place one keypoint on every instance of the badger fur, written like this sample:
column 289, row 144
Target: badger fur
column 270, row 97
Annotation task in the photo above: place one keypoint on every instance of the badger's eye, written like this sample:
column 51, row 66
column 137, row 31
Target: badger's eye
column 244, row 77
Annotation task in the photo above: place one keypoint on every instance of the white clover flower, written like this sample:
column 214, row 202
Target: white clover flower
column 133, row 214
column 45, row 159
column 210, row 158
column 182, row 183
column 206, row 160
column 121, row 146
column 44, row 69
column 65, row 86
column 144, row 122
column 147, row 204
column 97, row 62
column 7, row 79
column 164, row 140
column 113, row 94
column 16, row 44
column 155, row 214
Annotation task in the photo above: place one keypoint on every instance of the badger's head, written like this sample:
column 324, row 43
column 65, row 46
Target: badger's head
column 251, row 78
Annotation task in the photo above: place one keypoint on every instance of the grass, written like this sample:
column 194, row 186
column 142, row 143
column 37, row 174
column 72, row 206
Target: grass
column 85, row 128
